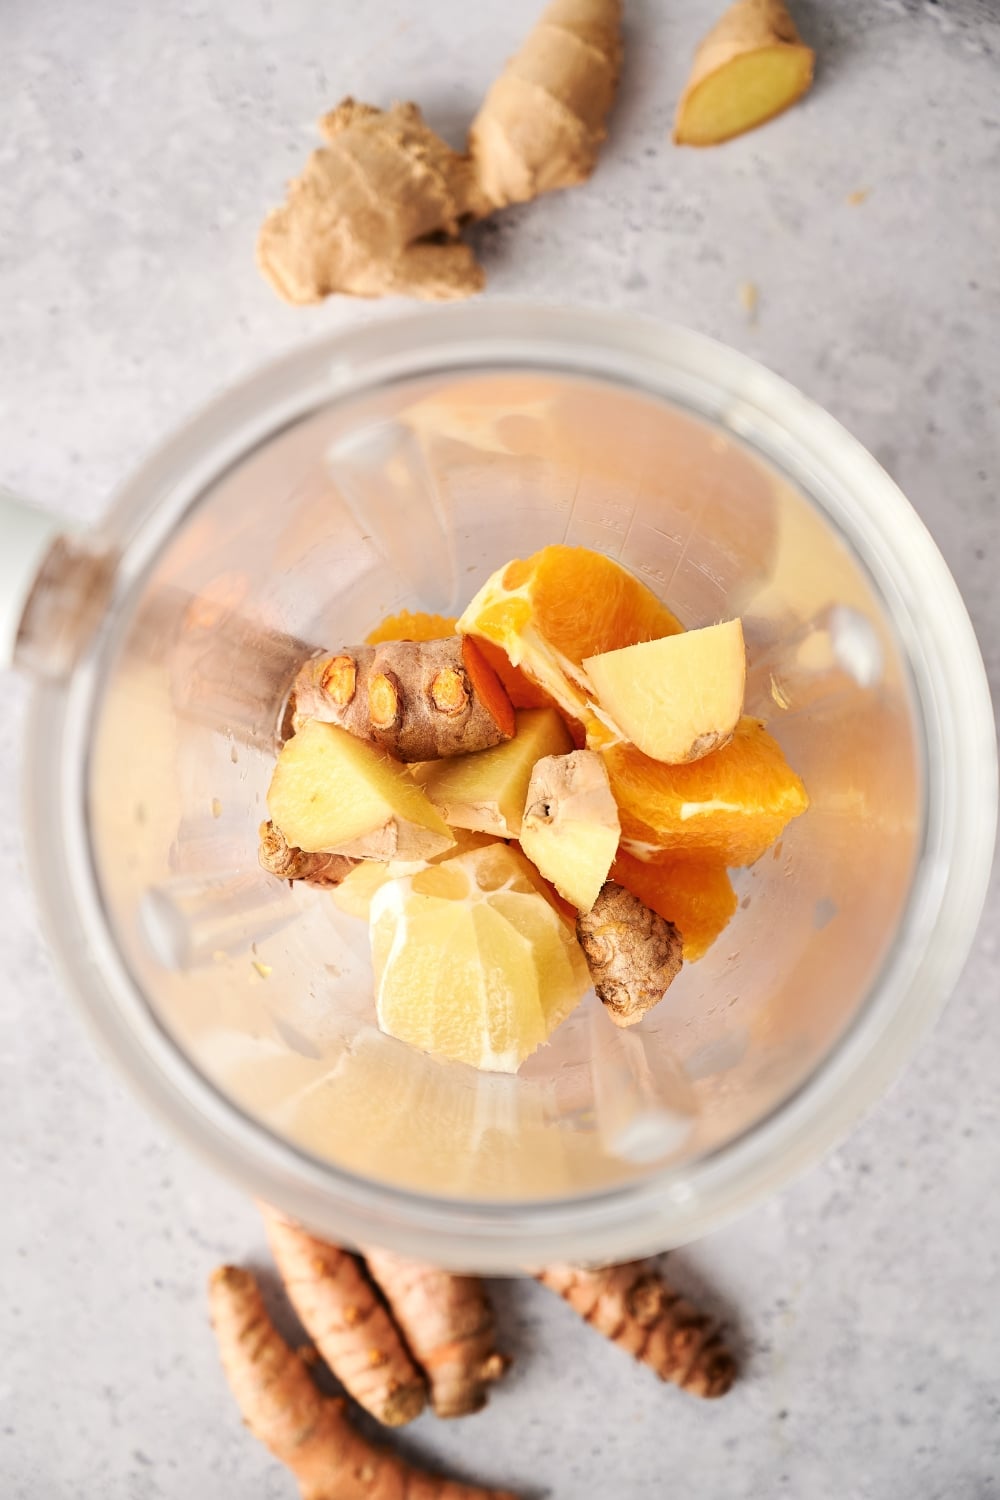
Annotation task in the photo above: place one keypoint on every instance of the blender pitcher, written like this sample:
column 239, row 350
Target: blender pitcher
column 396, row 468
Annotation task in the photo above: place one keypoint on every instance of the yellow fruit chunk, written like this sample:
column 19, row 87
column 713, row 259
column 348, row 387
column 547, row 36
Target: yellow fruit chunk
column 676, row 699
column 472, row 963
column 570, row 829
column 331, row 791
column 521, row 691
column 486, row 791
column 750, row 67
column 552, row 609
column 733, row 803
column 411, row 625
column 691, row 891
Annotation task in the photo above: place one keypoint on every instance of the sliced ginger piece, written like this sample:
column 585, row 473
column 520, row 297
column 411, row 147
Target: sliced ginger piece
column 750, row 67
column 570, row 828
column 487, row 791
column 678, row 698
column 731, row 804
column 691, row 891
column 334, row 793
column 472, row 963
column 548, row 611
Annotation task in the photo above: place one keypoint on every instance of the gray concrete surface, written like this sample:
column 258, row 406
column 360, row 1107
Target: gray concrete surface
column 138, row 147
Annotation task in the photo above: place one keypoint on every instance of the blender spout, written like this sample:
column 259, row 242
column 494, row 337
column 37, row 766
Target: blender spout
column 54, row 590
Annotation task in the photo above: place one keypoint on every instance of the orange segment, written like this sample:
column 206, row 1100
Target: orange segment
column 548, row 611
column 411, row 625
column 487, row 687
column 585, row 603
column 733, row 803
column 694, row 893
column 521, row 691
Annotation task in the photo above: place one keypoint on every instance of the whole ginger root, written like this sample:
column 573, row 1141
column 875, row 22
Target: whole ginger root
column 379, row 209
column 542, row 123
column 376, row 211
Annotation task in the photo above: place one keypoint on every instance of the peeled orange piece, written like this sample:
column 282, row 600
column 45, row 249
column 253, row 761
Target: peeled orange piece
column 411, row 625
column 521, row 691
column 548, row 611
column 733, row 803
column 472, row 962
column 691, row 891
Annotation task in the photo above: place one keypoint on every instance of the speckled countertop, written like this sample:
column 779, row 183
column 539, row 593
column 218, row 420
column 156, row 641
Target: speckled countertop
column 138, row 146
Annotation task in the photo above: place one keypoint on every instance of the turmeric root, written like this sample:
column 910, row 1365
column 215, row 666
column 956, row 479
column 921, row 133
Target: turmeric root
column 376, row 211
column 633, row 954
column 541, row 124
column 304, row 1429
column 635, row 1308
column 449, row 1326
column 279, row 857
column 751, row 66
column 347, row 1321
column 420, row 700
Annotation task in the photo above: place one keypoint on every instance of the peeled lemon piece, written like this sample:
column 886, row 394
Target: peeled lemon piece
column 472, row 962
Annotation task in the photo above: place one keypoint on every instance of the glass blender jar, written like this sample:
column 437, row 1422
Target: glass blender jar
column 397, row 467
